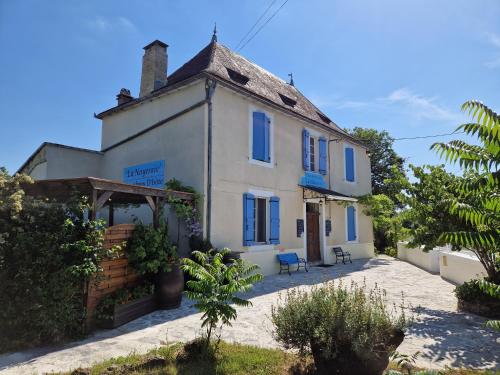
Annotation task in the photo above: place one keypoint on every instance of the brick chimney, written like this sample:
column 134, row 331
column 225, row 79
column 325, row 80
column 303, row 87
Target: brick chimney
column 154, row 67
column 123, row 96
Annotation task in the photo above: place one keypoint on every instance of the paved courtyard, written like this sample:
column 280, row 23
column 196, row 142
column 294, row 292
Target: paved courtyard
column 442, row 335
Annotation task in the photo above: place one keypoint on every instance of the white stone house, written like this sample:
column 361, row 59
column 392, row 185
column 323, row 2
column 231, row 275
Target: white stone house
column 275, row 173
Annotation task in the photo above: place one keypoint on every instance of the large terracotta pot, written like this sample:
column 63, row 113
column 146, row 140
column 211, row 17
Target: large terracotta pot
column 169, row 287
column 347, row 362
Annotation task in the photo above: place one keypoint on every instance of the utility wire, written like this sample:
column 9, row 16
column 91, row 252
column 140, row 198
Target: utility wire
column 265, row 23
column 427, row 136
column 255, row 24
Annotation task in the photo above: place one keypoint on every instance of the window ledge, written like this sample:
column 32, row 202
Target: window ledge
column 261, row 163
column 261, row 247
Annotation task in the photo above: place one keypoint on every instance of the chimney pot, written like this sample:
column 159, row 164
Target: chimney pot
column 124, row 96
column 154, row 67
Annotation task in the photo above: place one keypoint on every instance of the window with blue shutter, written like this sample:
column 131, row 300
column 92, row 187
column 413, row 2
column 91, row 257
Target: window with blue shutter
column 261, row 134
column 349, row 164
column 322, row 155
column 351, row 223
column 305, row 149
column 248, row 219
column 274, row 218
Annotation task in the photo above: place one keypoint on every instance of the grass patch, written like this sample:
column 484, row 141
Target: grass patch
column 230, row 359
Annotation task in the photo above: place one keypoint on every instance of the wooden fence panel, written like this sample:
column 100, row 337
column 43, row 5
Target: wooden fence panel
column 116, row 273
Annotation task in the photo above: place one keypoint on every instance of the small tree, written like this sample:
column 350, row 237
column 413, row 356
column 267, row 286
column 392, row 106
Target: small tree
column 215, row 285
column 478, row 204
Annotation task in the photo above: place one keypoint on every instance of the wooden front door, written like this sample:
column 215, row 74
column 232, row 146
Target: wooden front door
column 313, row 253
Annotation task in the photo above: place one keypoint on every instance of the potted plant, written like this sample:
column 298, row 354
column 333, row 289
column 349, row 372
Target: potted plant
column 347, row 330
column 125, row 305
column 151, row 254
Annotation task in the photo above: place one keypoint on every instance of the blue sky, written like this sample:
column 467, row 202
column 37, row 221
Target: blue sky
column 402, row 66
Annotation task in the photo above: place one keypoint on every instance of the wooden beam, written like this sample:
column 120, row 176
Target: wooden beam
column 93, row 210
column 111, row 214
column 151, row 203
column 103, row 198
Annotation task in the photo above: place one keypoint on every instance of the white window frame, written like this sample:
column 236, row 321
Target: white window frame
column 315, row 135
column 259, row 246
column 315, row 164
column 251, row 160
column 355, row 224
column 348, row 145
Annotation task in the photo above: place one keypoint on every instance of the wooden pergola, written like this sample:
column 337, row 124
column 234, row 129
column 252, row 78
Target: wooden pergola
column 103, row 192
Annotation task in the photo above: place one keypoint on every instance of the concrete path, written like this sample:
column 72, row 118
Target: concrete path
column 443, row 336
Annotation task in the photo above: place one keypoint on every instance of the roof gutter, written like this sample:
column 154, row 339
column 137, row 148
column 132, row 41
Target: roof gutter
column 210, row 85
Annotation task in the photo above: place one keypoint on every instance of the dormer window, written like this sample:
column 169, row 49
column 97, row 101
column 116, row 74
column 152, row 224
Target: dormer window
column 288, row 101
column 237, row 77
column 324, row 118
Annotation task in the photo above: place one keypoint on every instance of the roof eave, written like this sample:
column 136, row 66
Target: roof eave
column 283, row 108
column 154, row 94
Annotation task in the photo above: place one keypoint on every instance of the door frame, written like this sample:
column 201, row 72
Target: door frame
column 322, row 218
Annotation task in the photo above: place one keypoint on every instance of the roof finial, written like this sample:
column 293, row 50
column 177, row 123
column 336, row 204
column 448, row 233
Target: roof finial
column 214, row 35
column 291, row 79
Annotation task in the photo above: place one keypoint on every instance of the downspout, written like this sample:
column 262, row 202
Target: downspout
column 210, row 85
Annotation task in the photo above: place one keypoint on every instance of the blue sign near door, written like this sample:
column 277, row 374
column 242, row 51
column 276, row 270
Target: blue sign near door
column 150, row 174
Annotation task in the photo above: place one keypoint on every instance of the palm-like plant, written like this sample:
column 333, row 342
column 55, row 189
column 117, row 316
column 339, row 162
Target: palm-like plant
column 215, row 286
column 479, row 203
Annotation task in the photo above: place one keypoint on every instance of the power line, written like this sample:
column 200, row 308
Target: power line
column 255, row 24
column 427, row 136
column 265, row 23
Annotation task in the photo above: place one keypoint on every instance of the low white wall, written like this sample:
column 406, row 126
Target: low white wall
column 459, row 267
column 429, row 261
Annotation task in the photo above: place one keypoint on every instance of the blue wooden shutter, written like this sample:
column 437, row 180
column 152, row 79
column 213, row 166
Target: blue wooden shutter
column 349, row 164
column 248, row 219
column 259, row 136
column 305, row 149
column 322, row 155
column 351, row 223
column 274, row 218
column 267, row 139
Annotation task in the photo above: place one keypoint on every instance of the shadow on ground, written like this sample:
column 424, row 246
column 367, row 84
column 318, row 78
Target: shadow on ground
column 461, row 337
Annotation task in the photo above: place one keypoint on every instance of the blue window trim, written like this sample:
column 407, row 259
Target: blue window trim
column 248, row 214
column 265, row 154
column 351, row 224
column 323, row 150
column 305, row 150
column 274, row 220
column 349, row 164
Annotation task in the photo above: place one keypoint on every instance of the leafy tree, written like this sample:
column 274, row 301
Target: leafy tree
column 214, row 286
column 427, row 200
column 387, row 226
column 386, row 164
column 478, row 202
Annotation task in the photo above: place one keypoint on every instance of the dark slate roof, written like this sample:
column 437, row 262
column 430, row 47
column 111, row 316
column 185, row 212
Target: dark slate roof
column 216, row 59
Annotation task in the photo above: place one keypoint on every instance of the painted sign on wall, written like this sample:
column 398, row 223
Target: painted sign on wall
column 150, row 174
column 313, row 179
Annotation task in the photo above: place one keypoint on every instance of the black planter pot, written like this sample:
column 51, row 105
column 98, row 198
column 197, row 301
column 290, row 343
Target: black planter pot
column 169, row 287
column 347, row 362
column 129, row 311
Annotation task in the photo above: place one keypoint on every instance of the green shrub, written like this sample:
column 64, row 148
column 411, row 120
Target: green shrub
column 337, row 319
column 47, row 254
column 471, row 291
column 150, row 250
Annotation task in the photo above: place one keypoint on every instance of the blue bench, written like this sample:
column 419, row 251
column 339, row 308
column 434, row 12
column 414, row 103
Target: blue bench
column 291, row 258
